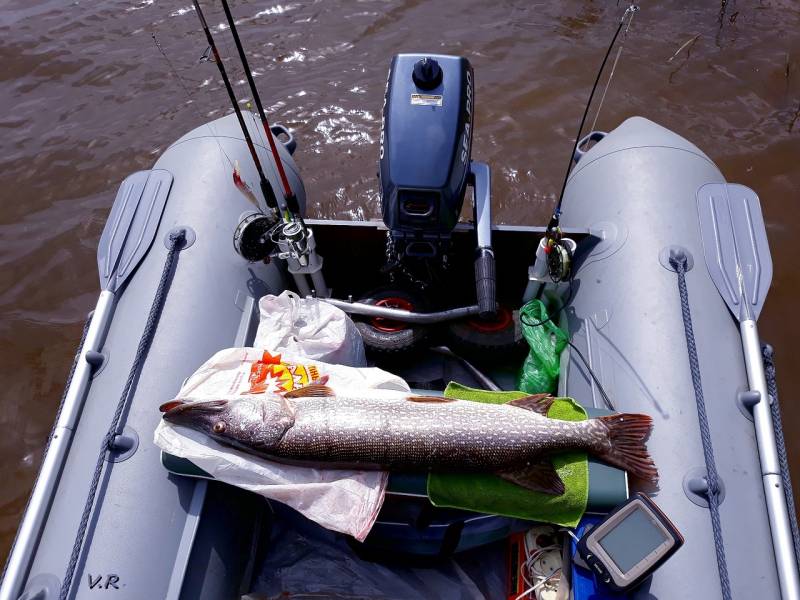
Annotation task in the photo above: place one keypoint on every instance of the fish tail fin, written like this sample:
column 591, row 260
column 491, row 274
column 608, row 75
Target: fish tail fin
column 627, row 434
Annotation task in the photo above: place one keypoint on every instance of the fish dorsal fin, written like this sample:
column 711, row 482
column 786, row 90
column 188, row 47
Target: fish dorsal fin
column 310, row 391
column 539, row 477
column 287, row 408
column 431, row 399
column 539, row 403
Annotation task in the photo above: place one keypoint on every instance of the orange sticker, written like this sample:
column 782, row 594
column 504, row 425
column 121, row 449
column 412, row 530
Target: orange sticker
column 271, row 375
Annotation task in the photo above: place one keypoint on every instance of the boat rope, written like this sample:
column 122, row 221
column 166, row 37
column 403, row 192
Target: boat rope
column 679, row 264
column 176, row 241
column 75, row 360
column 777, row 424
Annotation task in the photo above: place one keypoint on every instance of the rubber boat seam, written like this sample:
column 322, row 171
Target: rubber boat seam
column 581, row 164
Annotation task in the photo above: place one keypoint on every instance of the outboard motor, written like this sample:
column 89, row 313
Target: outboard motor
column 425, row 164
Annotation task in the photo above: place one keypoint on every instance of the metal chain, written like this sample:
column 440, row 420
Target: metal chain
column 395, row 264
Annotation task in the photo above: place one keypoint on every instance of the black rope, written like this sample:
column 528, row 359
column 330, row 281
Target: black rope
column 777, row 424
column 176, row 240
column 53, row 428
column 679, row 264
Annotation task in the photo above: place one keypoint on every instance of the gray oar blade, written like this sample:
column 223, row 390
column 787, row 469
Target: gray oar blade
column 735, row 246
column 131, row 226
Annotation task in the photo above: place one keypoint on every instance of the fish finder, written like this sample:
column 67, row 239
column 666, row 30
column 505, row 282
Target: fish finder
column 629, row 544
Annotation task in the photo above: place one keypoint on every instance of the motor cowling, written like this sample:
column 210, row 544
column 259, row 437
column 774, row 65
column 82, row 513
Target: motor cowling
column 426, row 143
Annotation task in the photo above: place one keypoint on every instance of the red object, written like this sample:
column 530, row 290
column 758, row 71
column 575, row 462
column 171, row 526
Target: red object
column 502, row 319
column 515, row 558
column 389, row 325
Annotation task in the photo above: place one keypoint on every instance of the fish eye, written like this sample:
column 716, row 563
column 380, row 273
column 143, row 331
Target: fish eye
column 219, row 427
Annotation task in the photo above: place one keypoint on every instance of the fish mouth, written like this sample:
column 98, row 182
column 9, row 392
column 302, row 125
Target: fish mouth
column 176, row 410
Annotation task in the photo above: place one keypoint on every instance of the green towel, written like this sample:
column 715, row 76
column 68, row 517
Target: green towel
column 490, row 494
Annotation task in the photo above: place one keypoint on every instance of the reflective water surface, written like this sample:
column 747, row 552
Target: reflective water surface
column 87, row 97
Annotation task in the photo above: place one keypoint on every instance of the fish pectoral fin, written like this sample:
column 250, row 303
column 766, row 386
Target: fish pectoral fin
column 539, row 477
column 539, row 403
column 310, row 391
column 432, row 399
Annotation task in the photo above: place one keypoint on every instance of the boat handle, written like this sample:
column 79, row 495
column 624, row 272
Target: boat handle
column 290, row 144
column 592, row 136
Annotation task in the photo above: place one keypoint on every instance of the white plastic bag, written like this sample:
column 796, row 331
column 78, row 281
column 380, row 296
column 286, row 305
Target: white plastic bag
column 342, row 500
column 308, row 327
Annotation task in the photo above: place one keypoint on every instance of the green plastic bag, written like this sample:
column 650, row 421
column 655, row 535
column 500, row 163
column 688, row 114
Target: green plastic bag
column 539, row 372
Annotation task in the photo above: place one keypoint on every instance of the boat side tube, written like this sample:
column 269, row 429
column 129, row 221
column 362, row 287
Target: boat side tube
column 636, row 192
column 152, row 534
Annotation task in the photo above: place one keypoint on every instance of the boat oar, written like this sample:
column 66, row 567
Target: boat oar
column 739, row 263
column 129, row 233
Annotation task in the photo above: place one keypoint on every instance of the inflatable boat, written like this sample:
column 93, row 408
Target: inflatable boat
column 184, row 259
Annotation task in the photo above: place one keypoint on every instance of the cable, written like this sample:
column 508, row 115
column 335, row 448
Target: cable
column 608, row 402
column 538, row 585
column 523, row 319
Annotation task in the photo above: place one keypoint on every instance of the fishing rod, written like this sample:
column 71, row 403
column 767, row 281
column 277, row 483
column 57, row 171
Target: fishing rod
column 554, row 251
column 266, row 186
column 295, row 242
column 553, row 232
column 291, row 199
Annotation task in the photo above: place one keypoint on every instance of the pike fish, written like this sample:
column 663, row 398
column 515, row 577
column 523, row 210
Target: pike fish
column 313, row 426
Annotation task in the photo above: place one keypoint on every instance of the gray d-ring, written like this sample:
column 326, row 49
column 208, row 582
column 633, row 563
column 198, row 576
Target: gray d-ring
column 290, row 144
column 592, row 136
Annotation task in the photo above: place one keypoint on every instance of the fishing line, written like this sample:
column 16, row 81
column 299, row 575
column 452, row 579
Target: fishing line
column 190, row 96
column 613, row 68
column 553, row 232
column 266, row 186
column 289, row 197
column 551, row 227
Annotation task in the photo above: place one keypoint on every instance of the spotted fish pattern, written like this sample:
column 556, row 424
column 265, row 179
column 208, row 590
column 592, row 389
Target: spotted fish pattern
column 391, row 430
column 398, row 433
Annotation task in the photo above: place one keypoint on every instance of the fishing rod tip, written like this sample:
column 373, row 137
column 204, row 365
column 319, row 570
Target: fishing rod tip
column 630, row 10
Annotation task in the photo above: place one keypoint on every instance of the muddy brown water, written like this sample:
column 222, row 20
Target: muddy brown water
column 87, row 98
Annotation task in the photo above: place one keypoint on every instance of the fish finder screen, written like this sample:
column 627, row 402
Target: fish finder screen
column 632, row 540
